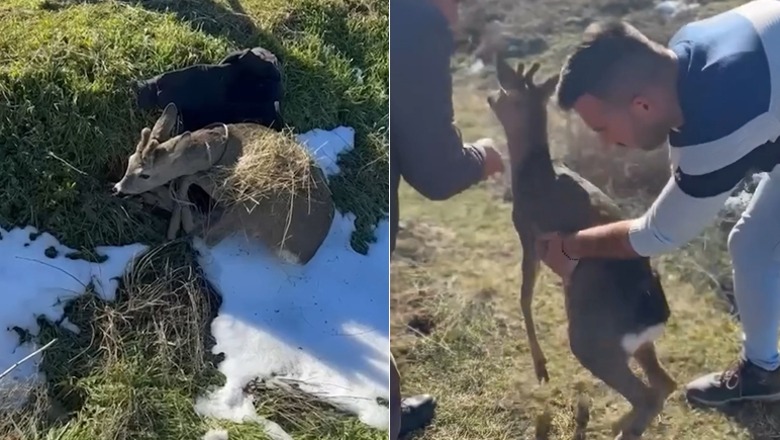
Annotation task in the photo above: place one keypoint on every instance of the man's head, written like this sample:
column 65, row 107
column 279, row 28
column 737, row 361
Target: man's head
column 623, row 86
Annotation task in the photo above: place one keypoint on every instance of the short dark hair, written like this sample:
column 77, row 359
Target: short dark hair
column 611, row 53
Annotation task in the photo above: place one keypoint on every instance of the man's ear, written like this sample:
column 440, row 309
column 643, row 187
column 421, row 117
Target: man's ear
column 640, row 103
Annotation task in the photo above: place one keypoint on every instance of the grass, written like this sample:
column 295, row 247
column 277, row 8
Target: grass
column 67, row 117
column 458, row 334
column 456, row 324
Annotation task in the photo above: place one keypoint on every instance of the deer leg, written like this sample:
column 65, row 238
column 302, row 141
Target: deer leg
column 183, row 200
column 661, row 383
column 530, row 268
column 159, row 197
column 175, row 222
column 661, row 387
column 543, row 426
column 581, row 418
column 614, row 371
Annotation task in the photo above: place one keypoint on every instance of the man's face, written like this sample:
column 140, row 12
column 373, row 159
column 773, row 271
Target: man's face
column 640, row 124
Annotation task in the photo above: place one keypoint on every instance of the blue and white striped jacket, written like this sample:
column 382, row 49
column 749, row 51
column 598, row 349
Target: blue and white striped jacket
column 729, row 91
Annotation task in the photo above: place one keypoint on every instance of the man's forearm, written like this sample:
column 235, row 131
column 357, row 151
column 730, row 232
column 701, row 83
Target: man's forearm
column 603, row 241
column 459, row 167
column 437, row 164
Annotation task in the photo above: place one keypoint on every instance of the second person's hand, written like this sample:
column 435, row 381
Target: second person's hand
column 494, row 161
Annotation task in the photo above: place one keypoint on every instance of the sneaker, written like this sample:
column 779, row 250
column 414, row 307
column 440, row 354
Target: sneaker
column 743, row 381
column 416, row 412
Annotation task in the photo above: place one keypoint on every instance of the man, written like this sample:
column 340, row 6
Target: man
column 425, row 147
column 714, row 92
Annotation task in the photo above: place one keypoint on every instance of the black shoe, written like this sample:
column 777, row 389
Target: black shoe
column 416, row 412
column 743, row 381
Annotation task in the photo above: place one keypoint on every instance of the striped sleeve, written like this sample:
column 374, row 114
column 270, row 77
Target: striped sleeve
column 729, row 94
column 673, row 219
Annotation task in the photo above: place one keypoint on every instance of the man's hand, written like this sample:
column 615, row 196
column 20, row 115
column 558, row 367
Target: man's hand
column 494, row 161
column 550, row 249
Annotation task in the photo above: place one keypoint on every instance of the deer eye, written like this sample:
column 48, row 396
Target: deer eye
column 143, row 176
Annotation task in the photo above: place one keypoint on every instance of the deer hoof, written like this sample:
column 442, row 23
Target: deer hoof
column 622, row 424
column 541, row 372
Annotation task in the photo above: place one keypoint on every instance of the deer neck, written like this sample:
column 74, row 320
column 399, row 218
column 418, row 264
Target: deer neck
column 215, row 148
column 529, row 148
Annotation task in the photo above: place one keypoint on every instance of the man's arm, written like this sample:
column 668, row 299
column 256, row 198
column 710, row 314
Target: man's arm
column 673, row 219
column 430, row 152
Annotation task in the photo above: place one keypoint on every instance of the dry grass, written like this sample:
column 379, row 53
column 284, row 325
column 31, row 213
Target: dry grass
column 458, row 334
column 273, row 165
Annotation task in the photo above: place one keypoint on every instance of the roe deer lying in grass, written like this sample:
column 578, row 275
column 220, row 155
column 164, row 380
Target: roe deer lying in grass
column 615, row 308
column 294, row 227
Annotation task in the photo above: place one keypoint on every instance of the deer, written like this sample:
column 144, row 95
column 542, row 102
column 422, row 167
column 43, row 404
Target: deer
column 616, row 309
column 163, row 167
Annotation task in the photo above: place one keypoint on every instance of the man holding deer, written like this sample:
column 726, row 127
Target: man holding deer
column 714, row 93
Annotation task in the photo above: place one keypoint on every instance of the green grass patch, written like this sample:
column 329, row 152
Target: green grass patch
column 67, row 114
column 463, row 282
column 68, row 111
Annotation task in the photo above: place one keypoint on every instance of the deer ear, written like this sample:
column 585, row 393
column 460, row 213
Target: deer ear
column 183, row 141
column 549, row 85
column 507, row 78
column 163, row 128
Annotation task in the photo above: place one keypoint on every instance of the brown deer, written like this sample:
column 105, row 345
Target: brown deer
column 294, row 229
column 616, row 308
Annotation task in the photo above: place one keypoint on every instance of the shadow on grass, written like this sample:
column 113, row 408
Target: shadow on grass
column 361, row 187
column 211, row 17
column 761, row 420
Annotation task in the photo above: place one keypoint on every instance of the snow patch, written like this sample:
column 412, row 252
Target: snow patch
column 322, row 328
column 38, row 279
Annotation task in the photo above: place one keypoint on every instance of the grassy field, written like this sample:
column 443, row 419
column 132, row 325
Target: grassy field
column 67, row 120
column 456, row 324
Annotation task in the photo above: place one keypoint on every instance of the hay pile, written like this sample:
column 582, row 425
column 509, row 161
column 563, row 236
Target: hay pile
column 273, row 167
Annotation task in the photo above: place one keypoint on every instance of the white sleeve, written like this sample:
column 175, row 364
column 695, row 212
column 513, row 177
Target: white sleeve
column 674, row 219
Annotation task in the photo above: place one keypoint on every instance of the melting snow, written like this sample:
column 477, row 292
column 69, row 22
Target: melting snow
column 322, row 327
column 35, row 284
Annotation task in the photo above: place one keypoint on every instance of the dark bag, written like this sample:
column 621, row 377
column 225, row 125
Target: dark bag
column 246, row 86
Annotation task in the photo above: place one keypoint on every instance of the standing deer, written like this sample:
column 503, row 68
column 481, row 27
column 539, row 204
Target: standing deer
column 616, row 309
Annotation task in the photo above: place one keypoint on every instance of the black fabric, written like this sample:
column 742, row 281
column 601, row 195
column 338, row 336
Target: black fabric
column 246, row 86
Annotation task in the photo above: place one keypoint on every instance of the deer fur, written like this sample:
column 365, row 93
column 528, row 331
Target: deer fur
column 163, row 167
column 616, row 309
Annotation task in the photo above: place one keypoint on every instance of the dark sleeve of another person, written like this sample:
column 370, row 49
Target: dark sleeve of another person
column 430, row 152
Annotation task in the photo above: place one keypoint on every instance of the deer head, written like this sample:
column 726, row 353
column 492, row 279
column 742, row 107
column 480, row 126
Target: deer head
column 159, row 158
column 521, row 105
